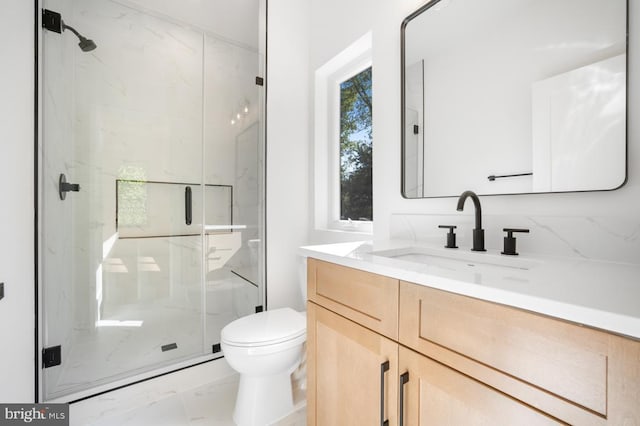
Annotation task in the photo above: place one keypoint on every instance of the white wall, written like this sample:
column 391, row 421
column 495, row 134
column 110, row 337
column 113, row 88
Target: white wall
column 17, row 209
column 288, row 86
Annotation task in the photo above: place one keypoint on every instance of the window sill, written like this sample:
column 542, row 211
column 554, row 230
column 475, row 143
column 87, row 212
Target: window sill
column 360, row 228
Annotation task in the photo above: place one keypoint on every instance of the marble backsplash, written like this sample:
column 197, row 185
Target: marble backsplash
column 614, row 239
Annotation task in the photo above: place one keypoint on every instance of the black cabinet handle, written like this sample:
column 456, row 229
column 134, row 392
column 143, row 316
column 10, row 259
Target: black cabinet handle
column 404, row 378
column 384, row 367
column 187, row 205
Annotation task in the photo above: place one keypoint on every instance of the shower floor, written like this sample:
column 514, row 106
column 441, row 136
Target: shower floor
column 130, row 340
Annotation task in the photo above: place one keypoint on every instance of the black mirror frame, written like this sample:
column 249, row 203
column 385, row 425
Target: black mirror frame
column 403, row 27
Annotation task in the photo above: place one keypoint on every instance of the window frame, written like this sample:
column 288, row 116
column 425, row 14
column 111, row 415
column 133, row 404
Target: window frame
column 350, row 62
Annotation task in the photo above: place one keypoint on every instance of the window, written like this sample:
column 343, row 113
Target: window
column 131, row 192
column 356, row 195
column 343, row 141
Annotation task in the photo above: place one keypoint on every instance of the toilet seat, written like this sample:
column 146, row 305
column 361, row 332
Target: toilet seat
column 266, row 329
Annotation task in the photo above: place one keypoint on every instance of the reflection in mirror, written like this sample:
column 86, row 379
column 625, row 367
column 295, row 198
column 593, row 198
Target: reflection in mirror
column 414, row 123
column 514, row 96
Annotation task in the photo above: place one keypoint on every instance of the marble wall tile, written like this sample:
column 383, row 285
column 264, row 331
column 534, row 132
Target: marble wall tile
column 137, row 105
column 615, row 239
column 153, row 102
column 233, row 145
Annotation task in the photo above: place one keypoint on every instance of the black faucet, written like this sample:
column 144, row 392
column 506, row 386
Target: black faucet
column 478, row 232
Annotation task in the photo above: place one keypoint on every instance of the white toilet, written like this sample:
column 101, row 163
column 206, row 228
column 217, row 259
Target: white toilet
column 265, row 348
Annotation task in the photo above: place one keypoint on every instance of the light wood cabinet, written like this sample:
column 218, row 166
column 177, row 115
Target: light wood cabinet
column 351, row 372
column 468, row 361
column 438, row 395
column 570, row 372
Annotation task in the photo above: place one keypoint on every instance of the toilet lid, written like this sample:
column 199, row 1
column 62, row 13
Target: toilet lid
column 265, row 328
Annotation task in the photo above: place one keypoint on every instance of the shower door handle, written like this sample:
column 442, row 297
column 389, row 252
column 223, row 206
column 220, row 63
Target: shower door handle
column 188, row 206
column 64, row 186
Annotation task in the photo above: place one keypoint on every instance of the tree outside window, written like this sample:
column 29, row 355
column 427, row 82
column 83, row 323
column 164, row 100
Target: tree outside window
column 356, row 146
column 132, row 196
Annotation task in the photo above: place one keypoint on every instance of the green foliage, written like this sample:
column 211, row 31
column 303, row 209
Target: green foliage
column 356, row 201
column 132, row 196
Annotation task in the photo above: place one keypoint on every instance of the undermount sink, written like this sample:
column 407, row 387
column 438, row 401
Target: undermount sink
column 456, row 259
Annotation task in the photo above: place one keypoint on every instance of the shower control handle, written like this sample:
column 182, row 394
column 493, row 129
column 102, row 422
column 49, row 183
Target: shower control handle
column 64, row 186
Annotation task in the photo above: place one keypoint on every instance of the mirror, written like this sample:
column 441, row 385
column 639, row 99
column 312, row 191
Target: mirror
column 514, row 96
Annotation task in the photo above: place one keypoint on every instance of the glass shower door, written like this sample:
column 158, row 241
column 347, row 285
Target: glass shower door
column 122, row 260
column 233, row 154
column 157, row 127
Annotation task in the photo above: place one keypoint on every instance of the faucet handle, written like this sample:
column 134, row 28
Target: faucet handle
column 510, row 241
column 451, row 236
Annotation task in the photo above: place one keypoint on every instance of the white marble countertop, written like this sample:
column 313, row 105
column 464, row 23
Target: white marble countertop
column 604, row 295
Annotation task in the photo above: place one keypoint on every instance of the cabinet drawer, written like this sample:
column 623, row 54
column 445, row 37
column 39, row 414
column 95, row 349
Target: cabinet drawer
column 438, row 395
column 368, row 299
column 563, row 359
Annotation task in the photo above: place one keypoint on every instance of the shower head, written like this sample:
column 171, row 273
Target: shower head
column 85, row 44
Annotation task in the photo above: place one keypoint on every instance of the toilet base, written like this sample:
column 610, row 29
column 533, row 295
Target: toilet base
column 262, row 400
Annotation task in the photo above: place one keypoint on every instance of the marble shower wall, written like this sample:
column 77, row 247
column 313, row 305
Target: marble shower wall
column 153, row 102
column 232, row 141
column 138, row 116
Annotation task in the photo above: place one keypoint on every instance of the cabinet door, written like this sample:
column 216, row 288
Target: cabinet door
column 348, row 383
column 438, row 395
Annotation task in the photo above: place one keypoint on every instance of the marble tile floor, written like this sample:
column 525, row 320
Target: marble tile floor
column 211, row 405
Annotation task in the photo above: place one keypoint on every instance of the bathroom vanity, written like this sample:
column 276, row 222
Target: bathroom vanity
column 427, row 342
